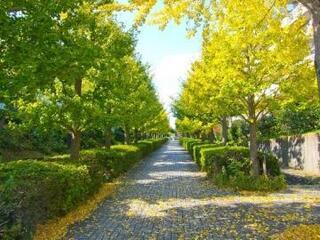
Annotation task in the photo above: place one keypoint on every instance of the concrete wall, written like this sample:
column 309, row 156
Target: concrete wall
column 298, row 152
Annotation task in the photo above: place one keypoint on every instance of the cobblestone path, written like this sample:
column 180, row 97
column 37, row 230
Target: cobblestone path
column 166, row 197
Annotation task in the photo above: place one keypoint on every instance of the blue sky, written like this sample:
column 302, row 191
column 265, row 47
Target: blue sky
column 168, row 52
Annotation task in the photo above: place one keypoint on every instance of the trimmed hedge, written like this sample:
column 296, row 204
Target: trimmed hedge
column 231, row 167
column 185, row 141
column 231, row 159
column 182, row 140
column 150, row 145
column 191, row 143
column 250, row 183
column 188, row 143
column 197, row 148
column 33, row 191
column 122, row 159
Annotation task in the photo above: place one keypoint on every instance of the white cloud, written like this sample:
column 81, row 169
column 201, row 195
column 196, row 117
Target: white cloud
column 169, row 74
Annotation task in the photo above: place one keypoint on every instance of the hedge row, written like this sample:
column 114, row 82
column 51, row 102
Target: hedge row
column 188, row 143
column 230, row 166
column 33, row 191
column 213, row 158
column 193, row 146
column 232, row 159
column 197, row 150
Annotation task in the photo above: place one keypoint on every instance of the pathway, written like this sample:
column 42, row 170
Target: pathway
column 166, row 197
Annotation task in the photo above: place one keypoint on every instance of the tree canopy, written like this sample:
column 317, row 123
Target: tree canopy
column 245, row 68
column 71, row 66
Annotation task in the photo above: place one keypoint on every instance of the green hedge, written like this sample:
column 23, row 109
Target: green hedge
column 231, row 159
column 33, row 191
column 188, row 143
column 231, row 167
column 150, row 145
column 184, row 141
column 120, row 158
column 250, row 183
column 191, row 143
column 197, row 148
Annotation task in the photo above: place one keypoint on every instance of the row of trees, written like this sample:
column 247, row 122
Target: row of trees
column 201, row 13
column 248, row 69
column 69, row 66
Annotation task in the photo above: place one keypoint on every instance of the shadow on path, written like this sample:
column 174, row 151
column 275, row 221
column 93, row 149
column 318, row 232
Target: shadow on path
column 166, row 197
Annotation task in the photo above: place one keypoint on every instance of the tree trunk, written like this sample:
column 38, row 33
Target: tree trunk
column 127, row 136
column 211, row 136
column 78, row 87
column 316, row 40
column 203, row 136
column 75, row 145
column 253, row 137
column 107, row 138
column 224, row 130
column 254, row 149
column 2, row 123
column 76, row 134
column 136, row 135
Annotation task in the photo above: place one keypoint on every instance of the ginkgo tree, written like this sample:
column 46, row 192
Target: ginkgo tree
column 313, row 7
column 138, row 103
column 64, row 65
column 253, row 65
column 49, row 52
column 201, row 14
column 188, row 127
column 199, row 98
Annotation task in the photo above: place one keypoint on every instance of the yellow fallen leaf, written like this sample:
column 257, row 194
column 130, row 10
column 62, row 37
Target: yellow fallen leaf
column 57, row 228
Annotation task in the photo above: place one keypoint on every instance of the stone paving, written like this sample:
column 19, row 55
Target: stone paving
column 298, row 177
column 166, row 197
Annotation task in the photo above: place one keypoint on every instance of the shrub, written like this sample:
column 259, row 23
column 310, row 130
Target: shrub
column 159, row 142
column 144, row 147
column 187, row 143
column 152, row 144
column 250, row 183
column 214, row 160
column 88, row 158
column 193, row 144
column 148, row 145
column 181, row 140
column 184, row 141
column 198, row 147
column 106, row 164
column 121, row 158
column 190, row 143
column 231, row 166
column 239, row 131
column 32, row 191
